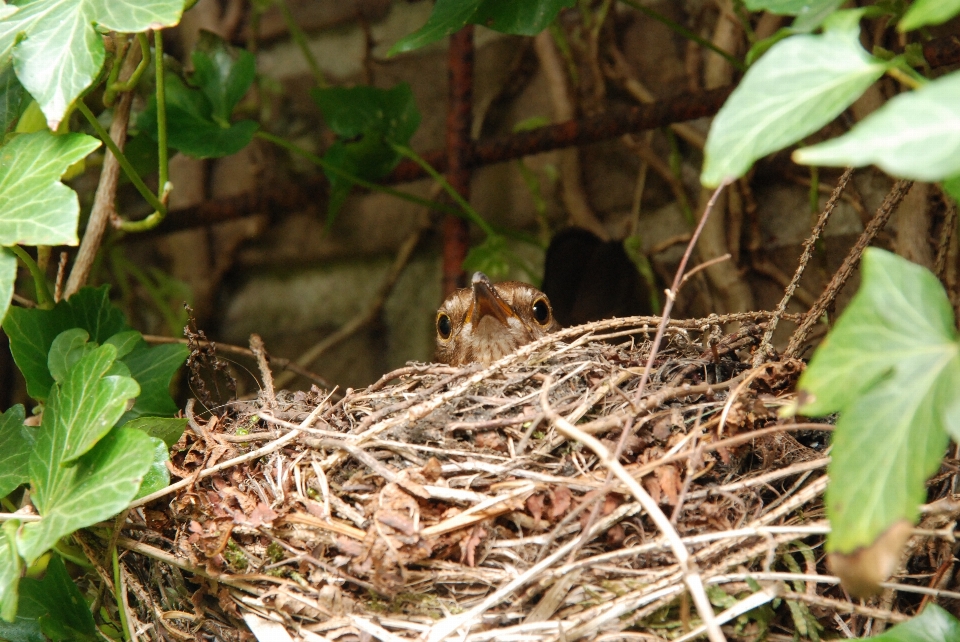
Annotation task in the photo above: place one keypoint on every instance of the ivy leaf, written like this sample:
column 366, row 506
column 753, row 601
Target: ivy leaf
column 8, row 278
column 952, row 187
column 928, row 12
column 16, row 442
column 10, row 566
column 109, row 466
column 891, row 368
column 914, row 135
column 368, row 122
column 153, row 368
column 35, row 207
column 12, row 101
column 798, row 86
column 520, row 18
column 32, row 331
column 190, row 124
column 490, row 257
column 223, row 73
column 934, row 624
column 167, row 429
column 157, row 476
column 57, row 51
column 198, row 116
column 68, row 348
column 57, row 604
column 89, row 403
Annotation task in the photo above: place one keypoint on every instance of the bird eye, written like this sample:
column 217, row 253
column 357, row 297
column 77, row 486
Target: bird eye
column 541, row 311
column 443, row 326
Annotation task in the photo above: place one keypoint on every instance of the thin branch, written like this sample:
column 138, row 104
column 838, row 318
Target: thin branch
column 104, row 202
column 879, row 220
column 808, row 247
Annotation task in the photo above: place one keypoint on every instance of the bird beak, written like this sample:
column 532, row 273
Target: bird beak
column 486, row 301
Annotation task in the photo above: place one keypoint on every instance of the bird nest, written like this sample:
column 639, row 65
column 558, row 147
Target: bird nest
column 490, row 503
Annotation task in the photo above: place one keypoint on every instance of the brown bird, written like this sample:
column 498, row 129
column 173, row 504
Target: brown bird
column 485, row 322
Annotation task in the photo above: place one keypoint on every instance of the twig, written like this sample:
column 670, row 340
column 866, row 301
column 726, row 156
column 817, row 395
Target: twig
column 948, row 232
column 889, row 205
column 808, row 247
column 260, row 352
column 103, row 202
column 61, row 275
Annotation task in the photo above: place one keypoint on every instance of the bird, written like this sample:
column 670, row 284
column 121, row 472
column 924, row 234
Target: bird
column 487, row 321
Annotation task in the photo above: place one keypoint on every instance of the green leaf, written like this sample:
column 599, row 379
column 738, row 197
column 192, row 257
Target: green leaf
column 797, row 87
column 35, row 207
column 914, row 135
column 58, row 605
column 810, row 13
column 125, row 342
column 166, row 429
column 8, row 278
column 934, row 624
column 67, row 349
column 490, row 257
column 526, row 18
column 190, row 124
column 890, row 366
column 32, row 331
column 10, row 565
column 157, row 476
column 82, row 409
column 223, row 73
column 788, row 7
column 928, row 12
column 12, row 97
column 952, row 187
column 518, row 18
column 153, row 368
column 57, row 50
column 368, row 122
column 100, row 485
column 16, row 442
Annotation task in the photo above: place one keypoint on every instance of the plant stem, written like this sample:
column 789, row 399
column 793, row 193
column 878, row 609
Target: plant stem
column 134, row 78
column 44, row 299
column 356, row 180
column 114, row 86
column 164, row 167
column 686, row 33
column 301, row 39
column 905, row 78
column 117, row 588
column 128, row 169
column 470, row 213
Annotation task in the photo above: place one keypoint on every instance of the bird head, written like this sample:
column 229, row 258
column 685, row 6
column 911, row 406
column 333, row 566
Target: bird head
column 488, row 321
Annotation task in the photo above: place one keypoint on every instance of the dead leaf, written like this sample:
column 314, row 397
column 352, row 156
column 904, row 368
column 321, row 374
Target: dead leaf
column 491, row 440
column 861, row 571
column 560, row 500
column 468, row 545
column 669, row 480
column 535, row 506
column 432, row 470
